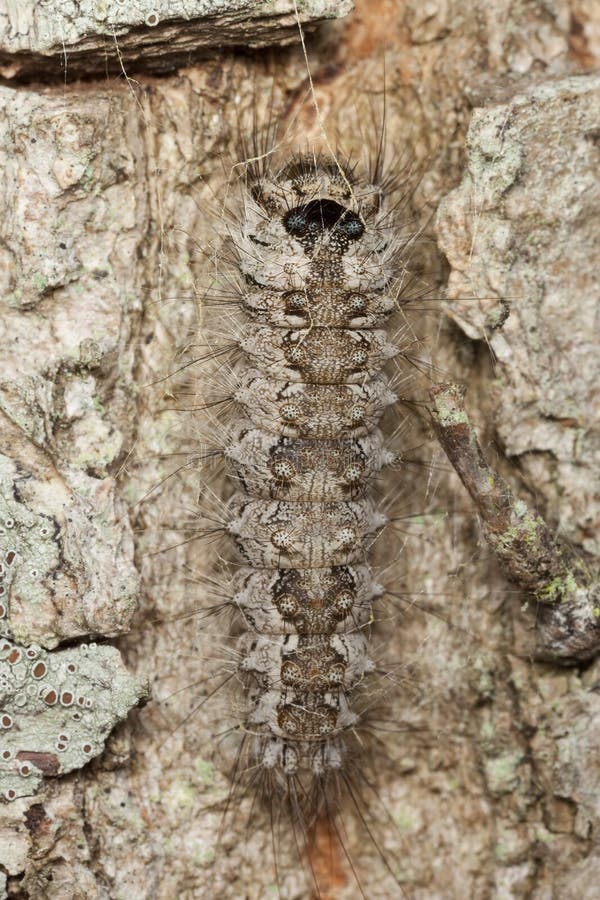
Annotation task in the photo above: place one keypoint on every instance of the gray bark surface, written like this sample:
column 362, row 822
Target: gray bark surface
column 490, row 772
column 81, row 38
column 530, row 191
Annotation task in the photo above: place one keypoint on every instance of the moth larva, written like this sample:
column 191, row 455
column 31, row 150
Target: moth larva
column 260, row 342
column 309, row 244
column 317, row 249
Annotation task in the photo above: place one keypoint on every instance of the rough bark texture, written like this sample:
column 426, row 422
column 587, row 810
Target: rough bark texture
column 492, row 776
column 79, row 38
column 519, row 233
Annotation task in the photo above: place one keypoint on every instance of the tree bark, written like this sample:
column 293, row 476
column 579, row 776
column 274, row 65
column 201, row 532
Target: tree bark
column 491, row 774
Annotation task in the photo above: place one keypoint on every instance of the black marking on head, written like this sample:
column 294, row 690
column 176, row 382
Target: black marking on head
column 311, row 219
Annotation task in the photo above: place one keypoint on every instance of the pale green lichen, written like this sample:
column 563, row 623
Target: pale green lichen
column 404, row 819
column 485, row 684
column 28, row 555
column 485, row 680
column 544, row 836
column 57, row 709
column 500, row 852
column 526, row 531
column 65, row 564
column 405, row 875
column 205, row 856
column 39, row 282
column 496, row 316
column 501, row 772
column 520, row 509
column 206, row 771
column 181, row 795
column 558, row 588
column 448, row 414
column 487, row 731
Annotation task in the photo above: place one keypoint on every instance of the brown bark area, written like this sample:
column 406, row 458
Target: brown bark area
column 491, row 774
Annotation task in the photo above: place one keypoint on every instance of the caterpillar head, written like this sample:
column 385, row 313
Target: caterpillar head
column 325, row 185
column 312, row 222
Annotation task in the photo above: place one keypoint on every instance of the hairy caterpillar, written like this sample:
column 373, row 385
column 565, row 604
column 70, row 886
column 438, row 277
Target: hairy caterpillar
column 406, row 707
column 307, row 334
column 316, row 249
column 421, row 737
column 425, row 673
column 177, row 762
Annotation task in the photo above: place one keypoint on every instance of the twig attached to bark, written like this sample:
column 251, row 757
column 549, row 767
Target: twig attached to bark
column 568, row 593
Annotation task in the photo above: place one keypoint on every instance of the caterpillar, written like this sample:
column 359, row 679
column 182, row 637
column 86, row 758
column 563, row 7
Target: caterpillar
column 210, row 665
column 502, row 761
column 316, row 248
column 316, row 273
column 356, row 816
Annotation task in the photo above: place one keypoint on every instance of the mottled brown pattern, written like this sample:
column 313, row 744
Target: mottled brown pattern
column 318, row 248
